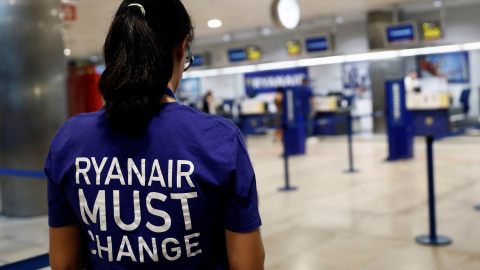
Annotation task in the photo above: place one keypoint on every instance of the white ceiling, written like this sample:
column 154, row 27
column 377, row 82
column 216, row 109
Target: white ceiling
column 85, row 36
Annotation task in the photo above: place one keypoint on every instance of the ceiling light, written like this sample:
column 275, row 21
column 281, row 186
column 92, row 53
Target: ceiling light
column 321, row 61
column 266, row 31
column 238, row 70
column 67, row 52
column 339, row 20
column 437, row 4
column 472, row 46
column 214, row 23
column 370, row 56
column 227, row 38
column 277, row 65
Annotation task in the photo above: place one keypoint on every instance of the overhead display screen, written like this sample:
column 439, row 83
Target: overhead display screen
column 237, row 55
column 198, row 60
column 318, row 44
column 404, row 33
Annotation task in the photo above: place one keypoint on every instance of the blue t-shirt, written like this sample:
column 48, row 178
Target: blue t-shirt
column 306, row 94
column 162, row 200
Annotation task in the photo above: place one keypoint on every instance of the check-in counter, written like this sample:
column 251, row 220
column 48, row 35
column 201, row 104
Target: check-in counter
column 255, row 118
column 326, row 111
column 431, row 113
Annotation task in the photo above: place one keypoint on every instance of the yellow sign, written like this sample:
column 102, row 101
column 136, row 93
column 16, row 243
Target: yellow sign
column 253, row 53
column 294, row 48
column 431, row 31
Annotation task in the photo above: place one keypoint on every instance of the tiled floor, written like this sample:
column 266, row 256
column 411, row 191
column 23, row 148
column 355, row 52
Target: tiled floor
column 364, row 221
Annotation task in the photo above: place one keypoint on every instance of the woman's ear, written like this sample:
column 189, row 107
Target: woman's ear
column 181, row 49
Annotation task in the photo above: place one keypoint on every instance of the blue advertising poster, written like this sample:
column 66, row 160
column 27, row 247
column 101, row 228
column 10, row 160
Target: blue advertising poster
column 189, row 88
column 356, row 75
column 318, row 44
column 401, row 33
column 453, row 66
column 269, row 81
column 237, row 55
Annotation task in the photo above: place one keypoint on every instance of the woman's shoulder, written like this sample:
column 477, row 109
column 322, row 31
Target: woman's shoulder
column 197, row 117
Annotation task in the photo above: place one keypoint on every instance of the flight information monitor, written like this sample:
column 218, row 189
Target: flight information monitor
column 404, row 33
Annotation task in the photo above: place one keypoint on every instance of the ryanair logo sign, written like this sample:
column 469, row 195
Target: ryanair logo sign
column 269, row 81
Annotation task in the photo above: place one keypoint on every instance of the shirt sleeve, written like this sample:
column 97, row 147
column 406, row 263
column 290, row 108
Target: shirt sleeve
column 60, row 211
column 241, row 212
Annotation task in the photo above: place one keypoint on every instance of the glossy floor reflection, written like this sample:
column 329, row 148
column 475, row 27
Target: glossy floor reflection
column 365, row 221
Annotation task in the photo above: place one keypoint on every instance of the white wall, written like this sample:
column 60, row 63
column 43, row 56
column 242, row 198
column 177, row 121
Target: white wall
column 326, row 78
column 224, row 87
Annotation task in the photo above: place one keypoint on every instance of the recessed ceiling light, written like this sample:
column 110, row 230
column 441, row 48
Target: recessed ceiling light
column 67, row 52
column 266, row 31
column 214, row 23
column 339, row 20
column 438, row 4
column 227, row 38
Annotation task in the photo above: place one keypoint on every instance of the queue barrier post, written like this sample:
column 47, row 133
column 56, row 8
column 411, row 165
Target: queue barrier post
column 432, row 239
column 287, row 186
column 350, row 145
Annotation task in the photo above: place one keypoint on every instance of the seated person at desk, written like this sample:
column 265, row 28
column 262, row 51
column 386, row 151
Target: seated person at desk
column 412, row 84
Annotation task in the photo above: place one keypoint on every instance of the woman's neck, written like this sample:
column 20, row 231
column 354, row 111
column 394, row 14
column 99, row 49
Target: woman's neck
column 166, row 98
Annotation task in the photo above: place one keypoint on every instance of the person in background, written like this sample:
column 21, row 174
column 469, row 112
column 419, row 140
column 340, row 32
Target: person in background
column 412, row 84
column 306, row 99
column 278, row 101
column 147, row 183
column 209, row 104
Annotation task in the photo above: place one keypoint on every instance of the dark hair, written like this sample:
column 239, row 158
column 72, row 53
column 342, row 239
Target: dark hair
column 138, row 55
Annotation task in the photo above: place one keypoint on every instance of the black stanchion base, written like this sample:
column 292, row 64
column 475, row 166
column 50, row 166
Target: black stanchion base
column 477, row 207
column 437, row 241
column 287, row 189
column 351, row 171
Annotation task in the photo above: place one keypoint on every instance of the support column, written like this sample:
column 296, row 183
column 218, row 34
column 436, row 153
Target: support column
column 32, row 98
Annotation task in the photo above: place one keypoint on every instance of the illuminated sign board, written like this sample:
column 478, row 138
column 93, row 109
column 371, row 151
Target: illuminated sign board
column 401, row 34
column 237, row 55
column 269, row 81
column 431, row 31
column 318, row 44
column 294, row 48
column 253, row 53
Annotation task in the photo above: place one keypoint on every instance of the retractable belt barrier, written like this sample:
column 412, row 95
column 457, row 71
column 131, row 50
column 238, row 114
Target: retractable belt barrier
column 22, row 173
column 323, row 122
column 38, row 262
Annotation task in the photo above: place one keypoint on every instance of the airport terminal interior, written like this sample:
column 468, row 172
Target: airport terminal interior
column 361, row 120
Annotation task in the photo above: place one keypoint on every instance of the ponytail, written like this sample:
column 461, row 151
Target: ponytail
column 139, row 61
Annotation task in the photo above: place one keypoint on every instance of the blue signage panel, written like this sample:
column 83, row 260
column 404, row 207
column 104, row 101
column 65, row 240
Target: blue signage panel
column 399, row 122
column 318, row 44
column 198, row 60
column 403, row 33
column 396, row 104
column 269, row 81
column 237, row 55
